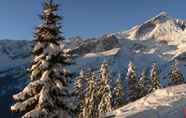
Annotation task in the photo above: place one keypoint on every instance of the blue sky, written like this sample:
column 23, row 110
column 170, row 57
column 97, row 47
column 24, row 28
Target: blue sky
column 86, row 18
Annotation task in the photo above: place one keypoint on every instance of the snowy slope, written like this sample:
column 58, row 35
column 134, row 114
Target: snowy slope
column 164, row 103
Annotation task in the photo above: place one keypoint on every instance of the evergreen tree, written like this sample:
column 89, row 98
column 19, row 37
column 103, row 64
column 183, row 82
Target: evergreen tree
column 133, row 87
column 80, row 92
column 47, row 94
column 90, row 106
column 176, row 77
column 105, row 93
column 119, row 94
column 154, row 77
column 145, row 84
column 79, row 85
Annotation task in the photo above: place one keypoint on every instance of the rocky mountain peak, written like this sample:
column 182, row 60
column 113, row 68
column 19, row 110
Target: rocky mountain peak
column 160, row 27
column 161, row 17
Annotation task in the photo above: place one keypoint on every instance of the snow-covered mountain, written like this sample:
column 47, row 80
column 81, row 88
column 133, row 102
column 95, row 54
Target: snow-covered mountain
column 162, row 39
column 164, row 103
column 14, row 53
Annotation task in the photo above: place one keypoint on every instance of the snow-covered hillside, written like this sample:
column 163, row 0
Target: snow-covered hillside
column 161, row 39
column 164, row 103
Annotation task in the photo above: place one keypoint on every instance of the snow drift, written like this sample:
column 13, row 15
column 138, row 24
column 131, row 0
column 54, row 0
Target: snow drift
column 165, row 103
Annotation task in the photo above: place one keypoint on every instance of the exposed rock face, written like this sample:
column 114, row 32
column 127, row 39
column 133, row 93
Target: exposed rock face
column 164, row 103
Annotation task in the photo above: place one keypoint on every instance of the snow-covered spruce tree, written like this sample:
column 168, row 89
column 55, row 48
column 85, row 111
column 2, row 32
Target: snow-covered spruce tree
column 79, row 85
column 154, row 77
column 118, row 94
column 47, row 94
column 133, row 87
column 145, row 84
column 80, row 91
column 89, row 101
column 176, row 77
column 104, row 92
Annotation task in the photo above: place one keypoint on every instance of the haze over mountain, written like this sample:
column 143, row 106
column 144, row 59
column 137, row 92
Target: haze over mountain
column 161, row 39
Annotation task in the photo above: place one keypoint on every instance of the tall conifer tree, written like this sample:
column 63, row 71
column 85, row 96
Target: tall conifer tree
column 105, row 93
column 145, row 84
column 90, row 103
column 155, row 78
column 81, row 85
column 176, row 77
column 119, row 94
column 47, row 94
column 133, row 87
